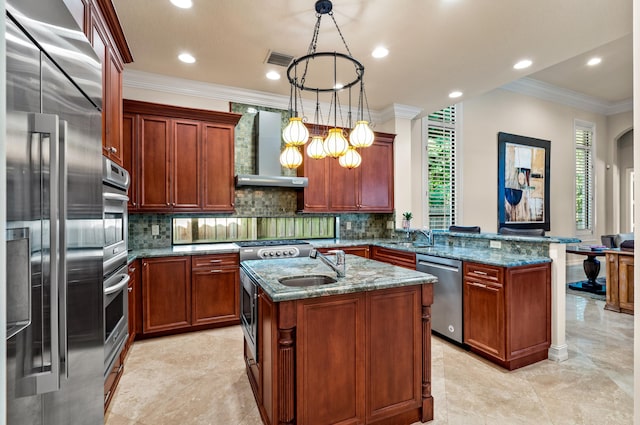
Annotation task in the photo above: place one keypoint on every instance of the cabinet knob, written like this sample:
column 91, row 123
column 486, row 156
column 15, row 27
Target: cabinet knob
column 130, row 289
column 168, row 204
column 113, row 150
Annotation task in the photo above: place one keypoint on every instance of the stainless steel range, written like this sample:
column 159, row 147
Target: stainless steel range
column 261, row 250
column 272, row 249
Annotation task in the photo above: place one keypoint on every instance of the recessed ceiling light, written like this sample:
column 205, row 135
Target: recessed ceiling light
column 182, row 4
column 594, row 61
column 455, row 94
column 525, row 63
column 273, row 75
column 338, row 86
column 186, row 58
column 379, row 52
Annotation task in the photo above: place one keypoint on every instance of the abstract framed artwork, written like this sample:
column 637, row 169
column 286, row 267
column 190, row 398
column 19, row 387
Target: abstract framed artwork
column 523, row 182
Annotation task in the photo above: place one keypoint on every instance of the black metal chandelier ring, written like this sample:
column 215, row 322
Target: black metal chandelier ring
column 359, row 71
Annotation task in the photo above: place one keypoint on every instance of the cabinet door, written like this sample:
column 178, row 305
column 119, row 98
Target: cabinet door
column 185, row 161
column 343, row 183
column 132, row 303
column 215, row 295
column 376, row 177
column 218, row 193
column 128, row 157
column 484, row 323
column 154, row 147
column 166, row 293
column 625, row 280
column 394, row 351
column 315, row 197
column 112, row 107
column 330, row 354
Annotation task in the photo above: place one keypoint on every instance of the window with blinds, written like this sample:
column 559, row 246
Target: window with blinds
column 441, row 168
column 584, row 135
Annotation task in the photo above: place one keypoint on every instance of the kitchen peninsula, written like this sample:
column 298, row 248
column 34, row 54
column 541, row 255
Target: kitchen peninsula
column 354, row 351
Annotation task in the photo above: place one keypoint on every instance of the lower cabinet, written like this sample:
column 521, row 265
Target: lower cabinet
column 135, row 312
column 180, row 293
column 347, row 359
column 215, row 288
column 362, row 251
column 394, row 256
column 620, row 284
column 507, row 312
column 111, row 381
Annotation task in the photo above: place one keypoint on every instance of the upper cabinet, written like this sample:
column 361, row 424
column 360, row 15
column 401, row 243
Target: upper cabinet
column 368, row 188
column 180, row 159
column 105, row 33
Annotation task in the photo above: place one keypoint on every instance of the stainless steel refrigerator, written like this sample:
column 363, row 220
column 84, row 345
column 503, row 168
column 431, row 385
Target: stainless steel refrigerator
column 54, row 218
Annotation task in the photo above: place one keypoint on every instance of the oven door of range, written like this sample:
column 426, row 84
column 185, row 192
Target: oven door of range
column 249, row 312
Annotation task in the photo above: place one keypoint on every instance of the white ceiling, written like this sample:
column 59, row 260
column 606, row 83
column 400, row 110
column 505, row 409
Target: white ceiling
column 436, row 46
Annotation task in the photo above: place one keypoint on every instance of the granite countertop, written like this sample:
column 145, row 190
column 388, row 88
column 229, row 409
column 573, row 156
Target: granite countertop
column 361, row 275
column 495, row 257
column 177, row 250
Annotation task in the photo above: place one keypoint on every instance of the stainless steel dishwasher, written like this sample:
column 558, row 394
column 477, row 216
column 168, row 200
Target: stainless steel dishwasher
column 446, row 311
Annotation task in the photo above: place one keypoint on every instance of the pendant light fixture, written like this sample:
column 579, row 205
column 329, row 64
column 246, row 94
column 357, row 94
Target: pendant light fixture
column 335, row 144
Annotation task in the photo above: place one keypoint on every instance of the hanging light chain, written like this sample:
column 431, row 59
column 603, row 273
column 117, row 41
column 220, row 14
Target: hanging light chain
column 340, row 32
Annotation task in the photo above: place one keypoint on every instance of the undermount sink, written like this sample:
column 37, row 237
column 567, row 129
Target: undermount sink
column 312, row 280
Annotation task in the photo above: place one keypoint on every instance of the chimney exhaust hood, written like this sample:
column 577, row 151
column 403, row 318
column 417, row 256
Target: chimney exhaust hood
column 268, row 126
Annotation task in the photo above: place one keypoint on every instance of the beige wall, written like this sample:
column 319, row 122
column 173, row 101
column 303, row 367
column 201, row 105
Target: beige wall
column 501, row 110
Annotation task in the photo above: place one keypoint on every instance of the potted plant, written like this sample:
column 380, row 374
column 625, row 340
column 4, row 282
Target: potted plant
column 406, row 220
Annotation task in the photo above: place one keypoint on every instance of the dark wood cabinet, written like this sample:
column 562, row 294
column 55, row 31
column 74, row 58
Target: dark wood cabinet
column 111, row 381
column 183, row 158
column 105, row 34
column 166, row 293
column 620, row 283
column 190, row 292
column 362, row 251
column 368, row 188
column 133, row 303
column 507, row 312
column 129, row 155
column 394, row 256
column 361, row 358
column 215, row 289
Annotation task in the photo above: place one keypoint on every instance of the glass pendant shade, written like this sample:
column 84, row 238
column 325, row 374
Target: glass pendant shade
column 315, row 149
column 295, row 133
column 291, row 157
column 361, row 136
column 351, row 159
column 335, row 145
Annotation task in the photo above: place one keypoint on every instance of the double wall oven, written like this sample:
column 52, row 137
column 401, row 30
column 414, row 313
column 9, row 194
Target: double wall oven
column 261, row 250
column 115, row 182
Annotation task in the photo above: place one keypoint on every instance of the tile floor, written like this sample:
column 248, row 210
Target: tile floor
column 199, row 378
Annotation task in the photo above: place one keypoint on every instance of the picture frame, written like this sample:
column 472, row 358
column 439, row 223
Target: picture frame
column 523, row 182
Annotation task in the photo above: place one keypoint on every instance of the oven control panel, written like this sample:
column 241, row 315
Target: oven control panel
column 278, row 252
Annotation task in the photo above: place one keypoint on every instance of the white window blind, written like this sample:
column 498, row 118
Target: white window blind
column 584, row 136
column 441, row 168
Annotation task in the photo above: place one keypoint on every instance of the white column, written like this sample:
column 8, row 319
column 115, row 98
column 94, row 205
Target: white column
column 558, row 350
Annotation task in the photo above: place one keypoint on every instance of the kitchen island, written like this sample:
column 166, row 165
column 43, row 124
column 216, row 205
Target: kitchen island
column 354, row 351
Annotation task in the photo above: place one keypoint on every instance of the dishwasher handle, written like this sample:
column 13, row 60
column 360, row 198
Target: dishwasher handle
column 437, row 266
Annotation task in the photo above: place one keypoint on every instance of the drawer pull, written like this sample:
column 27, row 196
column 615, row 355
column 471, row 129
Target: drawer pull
column 215, row 261
column 479, row 272
column 480, row 285
column 216, row 271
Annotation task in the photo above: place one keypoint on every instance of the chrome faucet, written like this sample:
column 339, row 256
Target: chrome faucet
column 339, row 266
column 428, row 233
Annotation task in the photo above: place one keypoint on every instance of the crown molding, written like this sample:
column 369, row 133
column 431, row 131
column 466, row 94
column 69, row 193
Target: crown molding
column 181, row 86
column 398, row 111
column 545, row 91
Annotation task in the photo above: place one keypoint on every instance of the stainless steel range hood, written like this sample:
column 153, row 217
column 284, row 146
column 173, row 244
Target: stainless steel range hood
column 268, row 169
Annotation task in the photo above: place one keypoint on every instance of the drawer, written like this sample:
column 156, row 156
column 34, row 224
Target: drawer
column 483, row 272
column 216, row 260
column 394, row 256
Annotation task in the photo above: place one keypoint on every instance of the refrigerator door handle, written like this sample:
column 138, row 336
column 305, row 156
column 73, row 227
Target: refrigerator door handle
column 48, row 379
column 62, row 286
